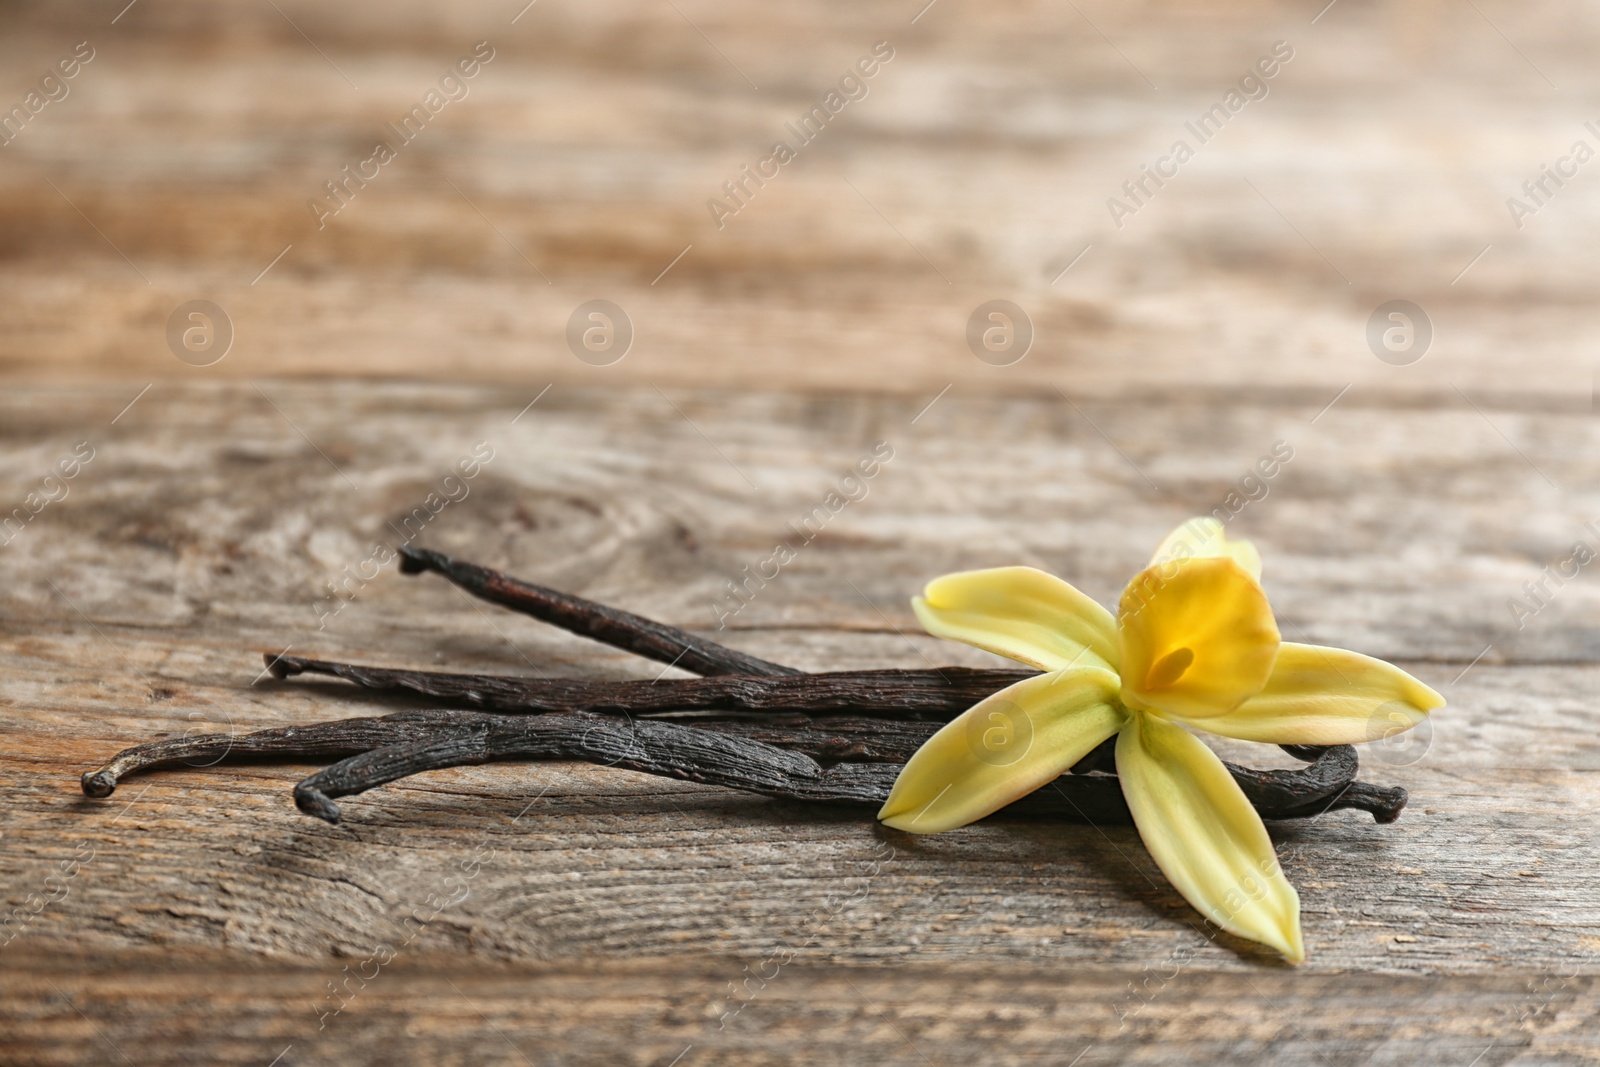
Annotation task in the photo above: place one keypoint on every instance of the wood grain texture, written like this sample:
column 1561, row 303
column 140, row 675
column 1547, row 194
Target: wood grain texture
column 609, row 917
column 139, row 606
column 431, row 1009
column 978, row 166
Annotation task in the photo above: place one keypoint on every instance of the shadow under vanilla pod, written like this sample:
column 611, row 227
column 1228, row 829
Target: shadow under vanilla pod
column 842, row 737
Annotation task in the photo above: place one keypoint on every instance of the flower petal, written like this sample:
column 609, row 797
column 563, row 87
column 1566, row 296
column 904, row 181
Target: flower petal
column 1203, row 536
column 1002, row 748
column 1197, row 637
column 1327, row 696
column 1205, row 836
column 1020, row 613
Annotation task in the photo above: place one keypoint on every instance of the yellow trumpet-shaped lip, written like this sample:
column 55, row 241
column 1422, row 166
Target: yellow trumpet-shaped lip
column 1196, row 637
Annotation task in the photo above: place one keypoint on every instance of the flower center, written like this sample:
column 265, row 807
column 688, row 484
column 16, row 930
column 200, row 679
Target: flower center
column 1169, row 668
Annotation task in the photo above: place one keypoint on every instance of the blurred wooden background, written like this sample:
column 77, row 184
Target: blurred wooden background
column 620, row 913
column 977, row 167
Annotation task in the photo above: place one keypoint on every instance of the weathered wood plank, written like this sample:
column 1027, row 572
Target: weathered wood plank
column 769, row 359
column 1383, row 154
column 185, row 570
column 1487, row 869
column 429, row 1008
column 1399, row 531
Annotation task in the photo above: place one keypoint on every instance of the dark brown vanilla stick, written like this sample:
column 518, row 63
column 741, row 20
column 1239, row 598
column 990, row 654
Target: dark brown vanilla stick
column 936, row 695
column 829, row 741
column 339, row 738
column 715, row 758
column 653, row 747
column 620, row 629
column 940, row 694
column 840, row 737
column 721, row 753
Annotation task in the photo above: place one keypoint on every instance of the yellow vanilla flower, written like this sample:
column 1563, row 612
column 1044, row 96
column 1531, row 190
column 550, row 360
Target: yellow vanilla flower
column 1193, row 644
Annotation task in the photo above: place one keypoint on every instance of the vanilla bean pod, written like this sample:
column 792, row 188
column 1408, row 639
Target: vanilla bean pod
column 714, row 757
column 839, row 737
column 336, row 739
column 831, row 740
column 406, row 743
column 939, row 694
column 620, row 629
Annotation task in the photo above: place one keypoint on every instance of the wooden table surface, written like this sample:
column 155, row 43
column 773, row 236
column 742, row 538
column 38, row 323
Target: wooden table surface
column 584, row 915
